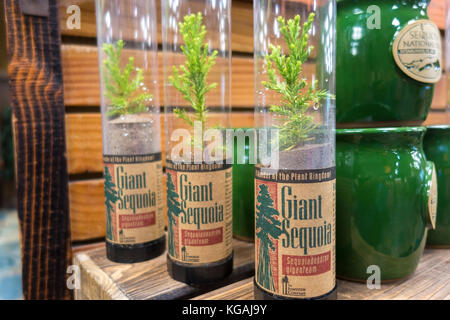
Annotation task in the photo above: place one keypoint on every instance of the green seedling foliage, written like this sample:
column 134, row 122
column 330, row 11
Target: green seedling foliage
column 285, row 78
column 190, row 79
column 123, row 86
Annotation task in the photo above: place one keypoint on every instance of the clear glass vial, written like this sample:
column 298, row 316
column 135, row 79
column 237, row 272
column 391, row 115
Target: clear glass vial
column 128, row 64
column 197, row 81
column 295, row 175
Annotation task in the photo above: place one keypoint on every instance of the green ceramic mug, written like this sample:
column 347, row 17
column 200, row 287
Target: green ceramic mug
column 243, row 188
column 383, row 74
column 384, row 201
column 437, row 149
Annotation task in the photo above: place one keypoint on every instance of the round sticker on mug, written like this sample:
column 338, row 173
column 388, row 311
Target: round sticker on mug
column 432, row 199
column 417, row 51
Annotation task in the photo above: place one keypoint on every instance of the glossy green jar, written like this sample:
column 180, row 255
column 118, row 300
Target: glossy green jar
column 370, row 86
column 437, row 149
column 384, row 187
column 243, row 191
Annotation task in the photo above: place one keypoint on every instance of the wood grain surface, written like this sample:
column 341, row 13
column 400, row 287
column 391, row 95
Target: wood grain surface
column 241, row 290
column 87, row 209
column 149, row 280
column 36, row 87
column 103, row 279
column 431, row 281
column 241, row 22
column 241, row 16
column 84, row 139
column 82, row 86
column 436, row 12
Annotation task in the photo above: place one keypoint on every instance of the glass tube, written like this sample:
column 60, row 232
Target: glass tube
column 128, row 64
column 295, row 175
column 197, row 82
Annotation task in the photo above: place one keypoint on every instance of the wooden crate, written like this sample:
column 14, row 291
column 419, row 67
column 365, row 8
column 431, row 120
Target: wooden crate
column 102, row 279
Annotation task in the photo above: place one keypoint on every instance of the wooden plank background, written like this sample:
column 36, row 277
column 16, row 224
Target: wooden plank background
column 82, row 96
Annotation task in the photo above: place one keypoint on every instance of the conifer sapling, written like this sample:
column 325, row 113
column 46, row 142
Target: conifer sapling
column 126, row 94
column 285, row 78
column 190, row 79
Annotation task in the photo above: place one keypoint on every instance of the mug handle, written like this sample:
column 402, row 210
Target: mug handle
column 430, row 195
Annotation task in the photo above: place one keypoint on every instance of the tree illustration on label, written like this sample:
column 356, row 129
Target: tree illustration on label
column 267, row 226
column 285, row 282
column 183, row 253
column 110, row 199
column 173, row 210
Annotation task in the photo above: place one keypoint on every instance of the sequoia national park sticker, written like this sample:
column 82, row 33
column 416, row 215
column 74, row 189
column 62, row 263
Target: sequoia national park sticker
column 417, row 51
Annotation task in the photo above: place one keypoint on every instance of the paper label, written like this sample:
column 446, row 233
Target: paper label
column 199, row 209
column 417, row 51
column 133, row 199
column 295, row 231
column 433, row 199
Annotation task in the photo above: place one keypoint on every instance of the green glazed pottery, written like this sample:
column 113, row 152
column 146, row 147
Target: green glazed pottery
column 243, row 191
column 437, row 149
column 383, row 201
column 379, row 61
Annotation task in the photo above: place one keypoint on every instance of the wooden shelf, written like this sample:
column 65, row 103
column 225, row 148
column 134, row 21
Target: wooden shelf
column 106, row 280
column 102, row 279
column 431, row 281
